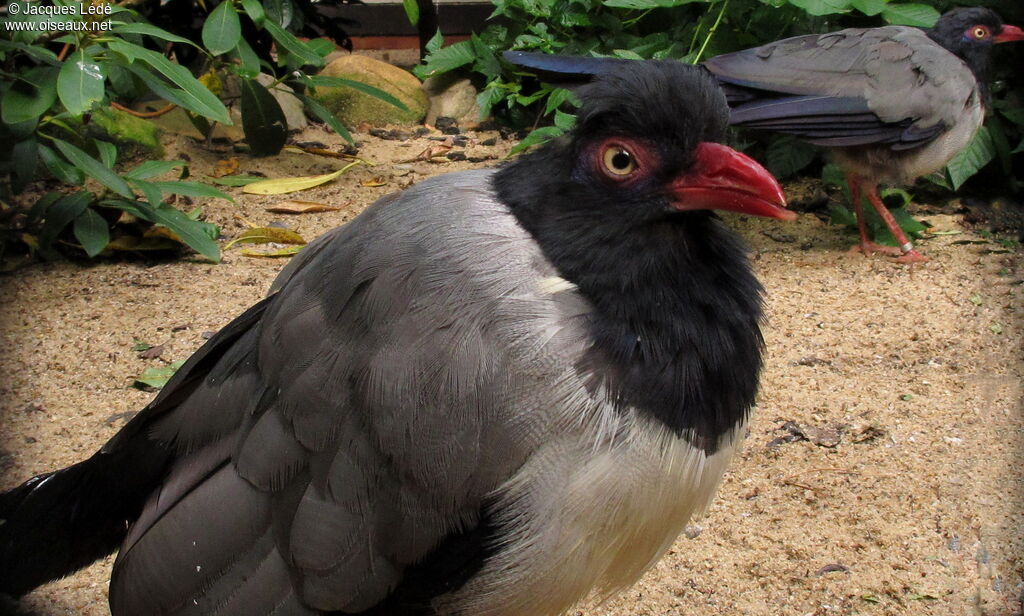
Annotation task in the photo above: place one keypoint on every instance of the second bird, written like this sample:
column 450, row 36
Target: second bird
column 893, row 103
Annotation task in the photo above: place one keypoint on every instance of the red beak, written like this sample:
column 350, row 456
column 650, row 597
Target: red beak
column 724, row 179
column 1009, row 34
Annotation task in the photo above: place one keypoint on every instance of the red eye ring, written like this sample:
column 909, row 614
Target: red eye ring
column 979, row 32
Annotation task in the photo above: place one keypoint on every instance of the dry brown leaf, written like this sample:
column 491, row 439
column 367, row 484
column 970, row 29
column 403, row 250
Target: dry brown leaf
column 301, row 207
column 439, row 149
column 225, row 167
column 267, row 235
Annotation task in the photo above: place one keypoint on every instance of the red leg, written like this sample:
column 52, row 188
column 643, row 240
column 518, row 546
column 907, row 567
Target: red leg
column 909, row 254
column 866, row 246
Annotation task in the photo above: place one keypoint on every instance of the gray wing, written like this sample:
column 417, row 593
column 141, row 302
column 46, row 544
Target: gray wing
column 364, row 416
column 853, row 87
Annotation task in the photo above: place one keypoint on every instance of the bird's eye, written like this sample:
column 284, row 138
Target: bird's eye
column 618, row 161
column 979, row 32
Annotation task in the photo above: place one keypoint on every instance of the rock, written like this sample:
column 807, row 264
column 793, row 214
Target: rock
column 354, row 107
column 453, row 98
column 294, row 111
column 133, row 135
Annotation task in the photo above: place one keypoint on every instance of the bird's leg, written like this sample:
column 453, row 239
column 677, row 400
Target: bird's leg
column 866, row 246
column 909, row 254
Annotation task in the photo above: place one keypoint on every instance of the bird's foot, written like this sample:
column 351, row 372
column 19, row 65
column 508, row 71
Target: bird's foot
column 912, row 256
column 868, row 248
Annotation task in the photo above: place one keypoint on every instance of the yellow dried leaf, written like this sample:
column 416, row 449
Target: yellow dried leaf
column 280, row 186
column 301, row 207
column 287, row 251
column 225, row 167
column 161, row 231
column 374, row 182
column 266, row 235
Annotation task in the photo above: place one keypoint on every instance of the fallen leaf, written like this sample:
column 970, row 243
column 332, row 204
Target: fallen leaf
column 266, row 235
column 225, row 167
column 834, row 567
column 287, row 251
column 374, row 182
column 152, row 352
column 157, row 377
column 435, row 150
column 301, row 207
column 279, row 186
column 237, row 180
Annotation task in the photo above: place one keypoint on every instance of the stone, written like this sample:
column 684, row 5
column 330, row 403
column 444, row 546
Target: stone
column 353, row 107
column 133, row 136
column 454, row 98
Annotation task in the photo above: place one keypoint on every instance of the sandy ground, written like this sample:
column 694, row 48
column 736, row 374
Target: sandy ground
column 895, row 488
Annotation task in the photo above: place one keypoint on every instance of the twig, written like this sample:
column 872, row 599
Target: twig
column 143, row 114
column 711, row 32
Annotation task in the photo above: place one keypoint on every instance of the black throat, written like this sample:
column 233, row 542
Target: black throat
column 677, row 307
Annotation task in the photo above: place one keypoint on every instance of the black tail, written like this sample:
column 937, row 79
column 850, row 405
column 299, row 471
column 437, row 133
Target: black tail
column 54, row 524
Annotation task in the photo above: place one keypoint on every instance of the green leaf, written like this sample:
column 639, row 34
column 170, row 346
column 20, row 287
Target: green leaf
column 194, row 96
column 540, row 135
column 30, row 96
column 62, row 212
column 978, row 153
column 222, row 29
column 644, row 5
column 839, row 215
column 151, row 168
column 627, row 54
column 558, row 96
column 266, row 128
column 107, row 151
column 1013, row 114
column 60, row 169
column 37, row 52
column 191, row 189
column 255, row 11
column 157, row 377
column 565, row 121
column 24, row 160
column 787, row 155
column 325, row 114
column 92, row 232
column 447, row 59
column 292, row 45
column 869, row 7
column 340, row 82
column 94, row 169
column 40, row 207
column 153, row 31
column 236, row 180
column 248, row 61
column 191, row 232
column 822, row 7
column 920, row 15
column 80, row 83
column 412, row 11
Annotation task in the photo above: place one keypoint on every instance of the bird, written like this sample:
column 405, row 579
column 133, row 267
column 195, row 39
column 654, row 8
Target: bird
column 892, row 103
column 492, row 393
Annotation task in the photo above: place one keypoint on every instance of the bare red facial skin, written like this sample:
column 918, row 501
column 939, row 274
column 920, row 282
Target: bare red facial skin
column 1009, row 34
column 642, row 156
column 723, row 179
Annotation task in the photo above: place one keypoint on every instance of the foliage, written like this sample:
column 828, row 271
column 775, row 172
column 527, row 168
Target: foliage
column 94, row 54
